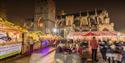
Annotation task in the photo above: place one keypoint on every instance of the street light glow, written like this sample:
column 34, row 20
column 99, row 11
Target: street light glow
column 55, row 30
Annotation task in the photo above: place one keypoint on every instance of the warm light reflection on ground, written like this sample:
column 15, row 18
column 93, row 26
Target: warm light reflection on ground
column 47, row 59
column 43, row 56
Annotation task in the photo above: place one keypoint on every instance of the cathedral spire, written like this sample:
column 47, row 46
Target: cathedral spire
column 62, row 12
column 87, row 13
column 96, row 12
column 80, row 13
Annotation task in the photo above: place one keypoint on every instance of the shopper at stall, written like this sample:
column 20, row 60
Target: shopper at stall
column 59, row 49
column 77, row 47
column 94, row 46
column 103, row 49
column 80, row 50
column 110, row 52
column 118, row 52
column 123, row 53
column 85, row 54
column 73, row 50
column 31, row 44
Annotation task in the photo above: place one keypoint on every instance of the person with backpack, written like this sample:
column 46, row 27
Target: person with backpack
column 118, row 52
column 123, row 53
column 103, row 49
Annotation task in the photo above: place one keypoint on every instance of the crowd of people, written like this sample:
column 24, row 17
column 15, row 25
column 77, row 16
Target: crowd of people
column 109, row 51
column 74, row 47
column 112, row 51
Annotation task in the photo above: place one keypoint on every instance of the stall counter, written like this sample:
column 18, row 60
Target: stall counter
column 9, row 49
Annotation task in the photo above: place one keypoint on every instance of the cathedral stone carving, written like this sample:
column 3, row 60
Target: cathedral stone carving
column 107, row 20
column 108, row 26
column 105, row 13
column 92, row 20
column 99, row 21
column 69, row 20
column 1, row 19
column 101, row 17
column 84, row 20
column 112, row 24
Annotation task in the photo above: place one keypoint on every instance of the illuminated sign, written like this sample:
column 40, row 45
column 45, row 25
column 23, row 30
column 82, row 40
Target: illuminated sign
column 9, row 50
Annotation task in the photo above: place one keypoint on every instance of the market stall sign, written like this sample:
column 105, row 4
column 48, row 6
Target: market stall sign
column 9, row 50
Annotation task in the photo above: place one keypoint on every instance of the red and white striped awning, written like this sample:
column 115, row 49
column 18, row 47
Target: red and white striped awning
column 96, row 33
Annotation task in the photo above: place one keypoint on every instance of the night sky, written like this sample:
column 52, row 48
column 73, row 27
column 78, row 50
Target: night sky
column 116, row 9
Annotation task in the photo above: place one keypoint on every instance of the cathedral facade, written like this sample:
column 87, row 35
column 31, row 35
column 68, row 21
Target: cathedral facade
column 97, row 20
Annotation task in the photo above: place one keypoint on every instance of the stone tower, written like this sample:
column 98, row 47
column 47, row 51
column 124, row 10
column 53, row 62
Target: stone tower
column 2, row 9
column 44, row 15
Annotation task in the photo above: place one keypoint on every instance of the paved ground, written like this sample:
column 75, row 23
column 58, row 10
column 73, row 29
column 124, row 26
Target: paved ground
column 46, row 55
column 67, row 58
column 37, row 55
column 47, row 59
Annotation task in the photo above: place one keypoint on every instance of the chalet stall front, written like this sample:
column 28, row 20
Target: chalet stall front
column 98, row 34
column 10, row 39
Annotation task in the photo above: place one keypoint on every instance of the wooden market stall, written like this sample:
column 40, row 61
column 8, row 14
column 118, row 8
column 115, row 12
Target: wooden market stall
column 10, row 39
column 32, row 41
column 35, row 40
column 89, row 35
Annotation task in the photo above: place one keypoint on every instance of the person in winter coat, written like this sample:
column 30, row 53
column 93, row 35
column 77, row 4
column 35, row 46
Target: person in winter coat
column 103, row 49
column 94, row 46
